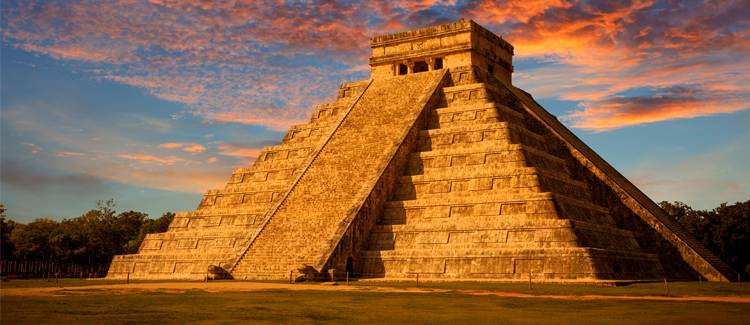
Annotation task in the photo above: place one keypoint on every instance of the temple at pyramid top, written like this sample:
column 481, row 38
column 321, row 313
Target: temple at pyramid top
column 436, row 167
column 458, row 44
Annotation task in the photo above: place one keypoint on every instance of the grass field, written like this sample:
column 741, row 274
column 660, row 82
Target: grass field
column 636, row 289
column 339, row 306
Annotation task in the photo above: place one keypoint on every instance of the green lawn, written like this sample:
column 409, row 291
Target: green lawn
column 359, row 307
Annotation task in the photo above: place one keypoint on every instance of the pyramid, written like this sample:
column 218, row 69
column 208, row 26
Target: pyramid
column 436, row 167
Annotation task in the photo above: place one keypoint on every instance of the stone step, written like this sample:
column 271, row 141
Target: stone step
column 254, row 187
column 309, row 134
column 277, row 164
column 534, row 252
column 468, row 94
column 471, row 135
column 492, row 154
column 481, row 113
column 491, row 233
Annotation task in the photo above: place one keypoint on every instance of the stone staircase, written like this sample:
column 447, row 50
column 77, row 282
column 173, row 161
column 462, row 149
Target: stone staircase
column 335, row 182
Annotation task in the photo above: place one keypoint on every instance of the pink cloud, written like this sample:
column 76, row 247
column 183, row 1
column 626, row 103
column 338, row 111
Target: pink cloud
column 500, row 11
column 69, row 154
column 602, row 51
column 190, row 147
column 171, row 145
column 234, row 150
column 249, row 61
column 145, row 158
column 680, row 103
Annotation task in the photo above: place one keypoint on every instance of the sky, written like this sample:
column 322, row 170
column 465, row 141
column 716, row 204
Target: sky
column 151, row 103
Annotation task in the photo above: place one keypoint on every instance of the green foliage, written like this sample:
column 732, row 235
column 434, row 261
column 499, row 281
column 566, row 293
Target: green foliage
column 32, row 241
column 149, row 227
column 6, row 228
column 725, row 230
column 93, row 238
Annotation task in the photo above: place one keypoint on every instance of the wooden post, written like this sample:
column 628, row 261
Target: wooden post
column 529, row 279
column 666, row 286
column 127, row 280
column 347, row 277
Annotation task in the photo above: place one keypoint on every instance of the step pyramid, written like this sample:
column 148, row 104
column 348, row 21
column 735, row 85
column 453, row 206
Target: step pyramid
column 436, row 167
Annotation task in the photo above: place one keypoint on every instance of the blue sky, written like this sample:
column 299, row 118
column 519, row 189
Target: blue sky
column 154, row 102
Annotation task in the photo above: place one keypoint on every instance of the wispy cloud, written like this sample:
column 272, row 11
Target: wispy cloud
column 236, row 150
column 267, row 62
column 190, row 147
column 69, row 154
column 605, row 50
column 28, row 178
column 660, row 105
column 33, row 148
column 170, row 160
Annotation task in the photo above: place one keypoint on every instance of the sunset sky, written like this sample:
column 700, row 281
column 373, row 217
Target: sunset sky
column 154, row 102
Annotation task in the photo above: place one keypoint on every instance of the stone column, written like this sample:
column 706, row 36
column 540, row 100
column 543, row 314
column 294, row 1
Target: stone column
column 430, row 64
column 410, row 67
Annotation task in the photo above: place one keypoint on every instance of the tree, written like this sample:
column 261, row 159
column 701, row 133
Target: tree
column 6, row 228
column 32, row 241
column 696, row 222
column 149, row 226
column 731, row 234
column 725, row 230
column 106, row 233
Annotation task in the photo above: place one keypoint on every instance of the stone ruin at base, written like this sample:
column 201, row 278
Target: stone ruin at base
column 437, row 166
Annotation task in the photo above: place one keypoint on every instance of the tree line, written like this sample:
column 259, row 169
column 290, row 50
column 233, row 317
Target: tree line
column 725, row 230
column 91, row 239
column 99, row 234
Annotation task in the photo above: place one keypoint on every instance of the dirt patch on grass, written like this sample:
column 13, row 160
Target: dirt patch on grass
column 241, row 286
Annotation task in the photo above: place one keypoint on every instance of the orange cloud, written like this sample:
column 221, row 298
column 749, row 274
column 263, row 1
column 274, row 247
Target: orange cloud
column 500, row 11
column 194, row 148
column 152, row 159
column 268, row 62
column 234, row 150
column 603, row 51
column 671, row 104
column 171, row 145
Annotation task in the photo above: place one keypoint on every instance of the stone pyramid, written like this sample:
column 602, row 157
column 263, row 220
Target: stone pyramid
column 435, row 167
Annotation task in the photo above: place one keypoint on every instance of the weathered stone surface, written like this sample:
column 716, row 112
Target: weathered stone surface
column 338, row 178
column 436, row 167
